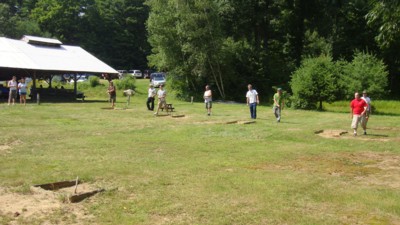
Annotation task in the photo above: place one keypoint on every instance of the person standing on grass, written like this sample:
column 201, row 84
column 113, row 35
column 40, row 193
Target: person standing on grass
column 22, row 91
column 112, row 93
column 358, row 108
column 368, row 112
column 150, row 99
column 252, row 101
column 208, row 99
column 279, row 103
column 161, row 95
column 12, row 95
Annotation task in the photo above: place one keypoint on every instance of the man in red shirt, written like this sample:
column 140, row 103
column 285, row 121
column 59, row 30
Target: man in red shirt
column 358, row 107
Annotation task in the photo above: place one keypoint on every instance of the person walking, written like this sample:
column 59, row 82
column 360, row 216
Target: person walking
column 368, row 111
column 112, row 92
column 252, row 101
column 358, row 107
column 12, row 95
column 150, row 98
column 161, row 95
column 279, row 103
column 208, row 99
column 22, row 86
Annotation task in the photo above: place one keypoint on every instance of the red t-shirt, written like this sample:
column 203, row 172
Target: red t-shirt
column 358, row 106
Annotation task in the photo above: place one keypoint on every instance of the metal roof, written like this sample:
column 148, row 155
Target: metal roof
column 47, row 55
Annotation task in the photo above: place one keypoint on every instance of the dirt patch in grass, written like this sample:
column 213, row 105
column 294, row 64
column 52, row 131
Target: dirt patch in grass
column 44, row 206
column 344, row 134
column 366, row 168
column 6, row 148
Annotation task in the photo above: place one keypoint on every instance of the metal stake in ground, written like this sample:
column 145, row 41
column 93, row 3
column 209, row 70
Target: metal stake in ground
column 76, row 184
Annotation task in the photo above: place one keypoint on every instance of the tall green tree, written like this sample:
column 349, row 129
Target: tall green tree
column 384, row 17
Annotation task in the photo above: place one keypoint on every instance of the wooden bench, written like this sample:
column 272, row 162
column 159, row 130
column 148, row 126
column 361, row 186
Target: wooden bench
column 168, row 108
column 81, row 95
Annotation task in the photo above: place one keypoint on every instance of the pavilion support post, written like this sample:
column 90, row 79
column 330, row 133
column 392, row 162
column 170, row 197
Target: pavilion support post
column 34, row 89
column 75, row 86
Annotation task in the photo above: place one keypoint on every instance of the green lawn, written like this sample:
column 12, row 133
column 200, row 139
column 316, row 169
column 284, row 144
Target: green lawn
column 197, row 169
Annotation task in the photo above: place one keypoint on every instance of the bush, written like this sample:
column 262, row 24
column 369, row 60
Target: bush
column 126, row 83
column 94, row 81
column 365, row 72
column 314, row 82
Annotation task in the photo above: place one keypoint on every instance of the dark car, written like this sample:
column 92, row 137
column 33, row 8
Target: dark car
column 3, row 91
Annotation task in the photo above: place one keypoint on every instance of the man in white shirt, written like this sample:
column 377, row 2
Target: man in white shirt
column 12, row 95
column 252, row 101
column 208, row 99
column 161, row 94
column 150, row 98
column 368, row 111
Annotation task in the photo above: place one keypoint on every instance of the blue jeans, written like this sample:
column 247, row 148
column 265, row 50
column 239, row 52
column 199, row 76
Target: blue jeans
column 253, row 110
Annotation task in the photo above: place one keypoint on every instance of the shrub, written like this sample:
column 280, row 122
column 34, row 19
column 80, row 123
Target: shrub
column 126, row 83
column 365, row 72
column 314, row 82
column 94, row 81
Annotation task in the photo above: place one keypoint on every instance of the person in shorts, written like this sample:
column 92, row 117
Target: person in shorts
column 358, row 107
column 368, row 112
column 22, row 89
column 112, row 93
column 208, row 99
column 161, row 95
column 12, row 95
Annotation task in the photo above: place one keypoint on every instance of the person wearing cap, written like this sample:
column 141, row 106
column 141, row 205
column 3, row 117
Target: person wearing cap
column 358, row 107
column 368, row 112
column 161, row 95
column 112, row 93
column 252, row 101
column 278, row 105
column 150, row 98
column 208, row 99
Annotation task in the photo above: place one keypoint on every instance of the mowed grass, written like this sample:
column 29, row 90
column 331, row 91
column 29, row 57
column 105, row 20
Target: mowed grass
column 198, row 169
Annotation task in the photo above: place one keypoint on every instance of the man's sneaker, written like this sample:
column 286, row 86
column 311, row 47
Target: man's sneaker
column 355, row 134
column 365, row 132
column 155, row 113
column 209, row 114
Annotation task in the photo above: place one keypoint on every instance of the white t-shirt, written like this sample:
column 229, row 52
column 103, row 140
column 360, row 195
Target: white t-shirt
column 252, row 95
column 152, row 92
column 12, row 85
column 368, row 101
column 22, row 87
column 161, row 93
column 207, row 96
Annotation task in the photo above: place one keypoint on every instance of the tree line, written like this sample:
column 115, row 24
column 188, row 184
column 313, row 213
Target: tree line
column 224, row 43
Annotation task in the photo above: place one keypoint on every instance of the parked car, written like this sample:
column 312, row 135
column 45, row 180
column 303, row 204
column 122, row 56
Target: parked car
column 136, row 73
column 121, row 73
column 158, row 80
column 146, row 73
column 158, row 74
column 3, row 91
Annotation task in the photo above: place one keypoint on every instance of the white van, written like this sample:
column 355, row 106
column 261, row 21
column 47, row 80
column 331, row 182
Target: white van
column 136, row 73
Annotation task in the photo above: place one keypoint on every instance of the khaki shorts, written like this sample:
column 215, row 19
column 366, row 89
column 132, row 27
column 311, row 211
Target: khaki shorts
column 358, row 119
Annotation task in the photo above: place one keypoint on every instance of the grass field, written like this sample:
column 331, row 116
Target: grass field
column 198, row 169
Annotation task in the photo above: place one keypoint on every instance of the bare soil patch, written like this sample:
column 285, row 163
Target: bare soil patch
column 6, row 148
column 42, row 205
column 344, row 134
